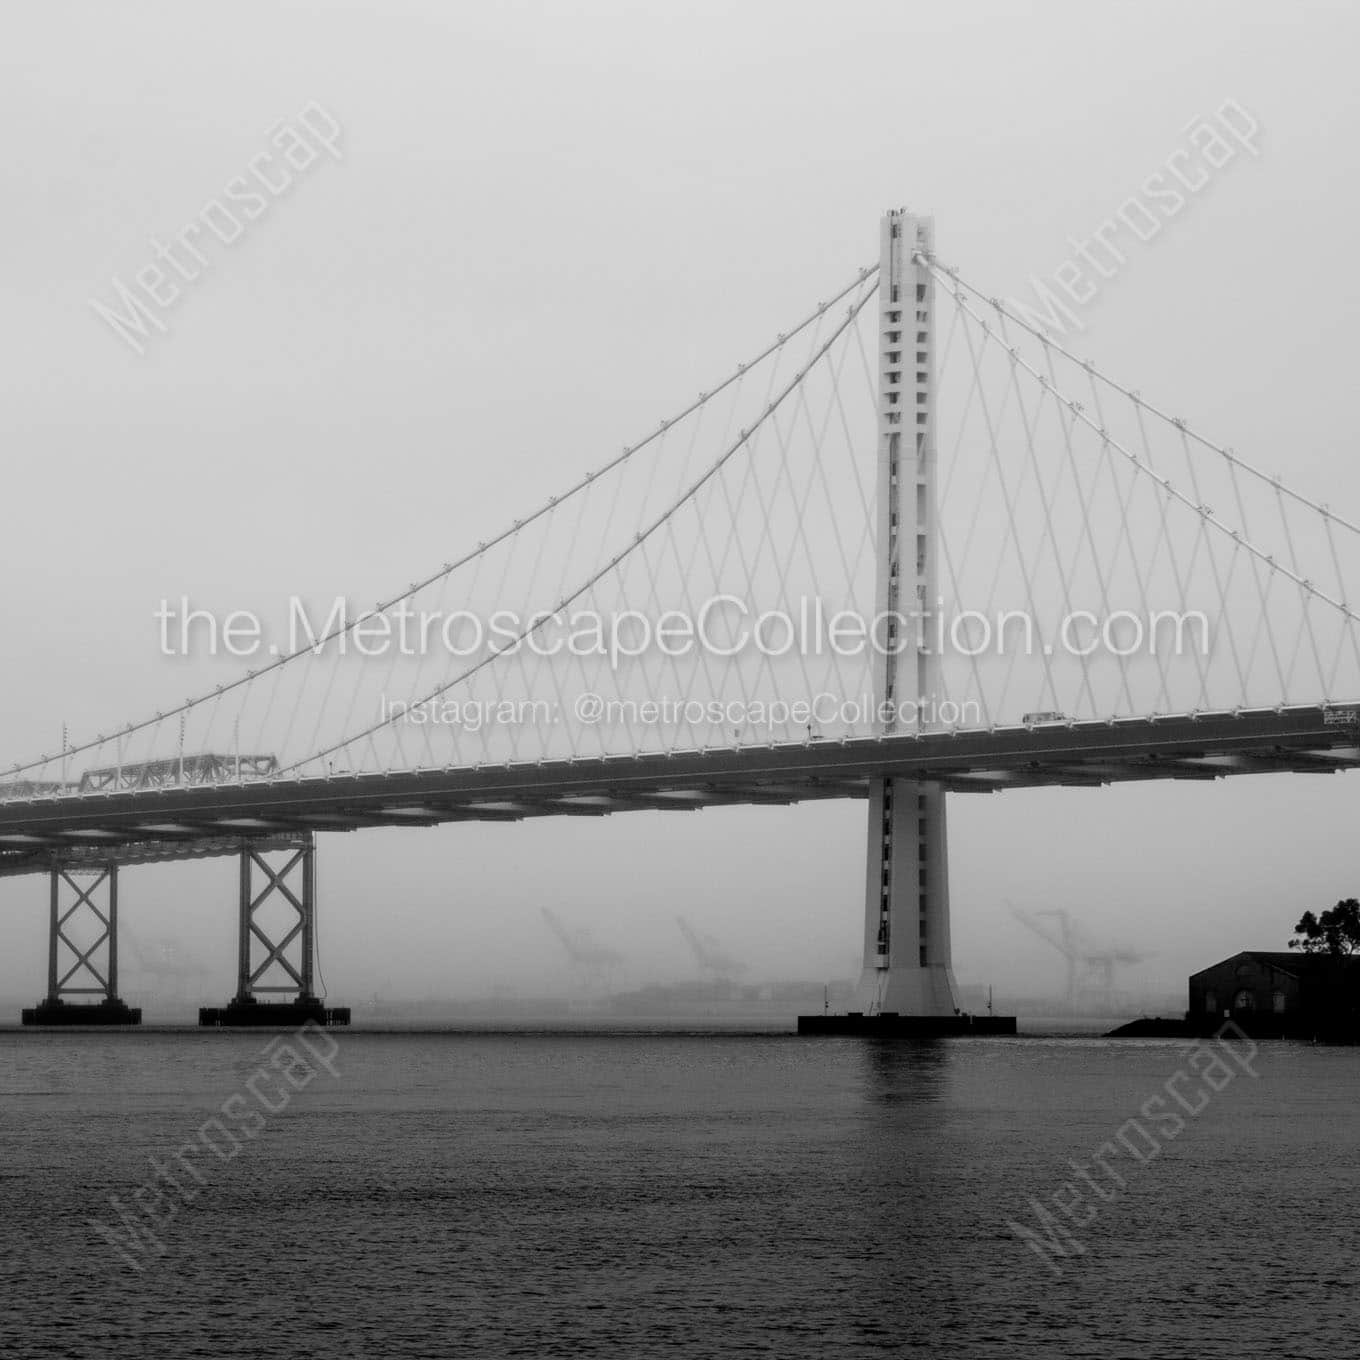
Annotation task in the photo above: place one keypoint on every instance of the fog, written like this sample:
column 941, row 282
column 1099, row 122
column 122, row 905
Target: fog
column 549, row 227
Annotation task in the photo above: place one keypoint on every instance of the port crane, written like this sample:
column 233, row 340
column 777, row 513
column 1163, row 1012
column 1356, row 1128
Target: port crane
column 164, row 964
column 1090, row 970
column 709, row 954
column 592, row 964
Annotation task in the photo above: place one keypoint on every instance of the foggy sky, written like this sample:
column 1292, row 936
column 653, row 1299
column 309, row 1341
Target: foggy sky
column 551, row 225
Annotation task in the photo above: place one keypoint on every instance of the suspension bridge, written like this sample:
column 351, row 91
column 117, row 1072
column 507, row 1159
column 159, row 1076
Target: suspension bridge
column 930, row 551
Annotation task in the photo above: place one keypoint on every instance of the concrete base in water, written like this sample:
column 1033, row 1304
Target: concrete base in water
column 890, row 1025
column 1153, row 1027
column 1321, row 1029
column 272, row 1014
column 113, row 1012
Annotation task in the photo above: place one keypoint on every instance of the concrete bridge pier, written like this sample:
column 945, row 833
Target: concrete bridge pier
column 907, row 988
column 908, row 969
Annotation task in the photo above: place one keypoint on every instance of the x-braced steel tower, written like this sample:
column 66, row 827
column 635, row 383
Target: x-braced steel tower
column 82, row 950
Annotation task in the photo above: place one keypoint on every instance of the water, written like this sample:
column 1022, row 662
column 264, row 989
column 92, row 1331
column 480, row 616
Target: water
column 689, row 1195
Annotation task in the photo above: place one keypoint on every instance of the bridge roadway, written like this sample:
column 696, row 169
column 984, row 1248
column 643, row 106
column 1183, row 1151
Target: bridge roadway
column 153, row 825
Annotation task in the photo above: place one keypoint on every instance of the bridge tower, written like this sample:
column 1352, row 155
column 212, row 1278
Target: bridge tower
column 276, row 957
column 82, row 949
column 907, row 965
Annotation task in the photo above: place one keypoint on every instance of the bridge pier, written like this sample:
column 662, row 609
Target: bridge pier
column 74, row 969
column 285, row 961
column 907, row 988
column 907, row 964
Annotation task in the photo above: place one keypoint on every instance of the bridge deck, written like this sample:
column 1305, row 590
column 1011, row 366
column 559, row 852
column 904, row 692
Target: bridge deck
column 210, row 819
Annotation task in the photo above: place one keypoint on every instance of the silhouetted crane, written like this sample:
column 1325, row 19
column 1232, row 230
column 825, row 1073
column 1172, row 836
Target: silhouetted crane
column 163, row 961
column 1090, row 970
column 591, row 963
column 709, row 953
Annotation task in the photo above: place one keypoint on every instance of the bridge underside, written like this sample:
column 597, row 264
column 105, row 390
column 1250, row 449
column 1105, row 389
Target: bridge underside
column 154, row 825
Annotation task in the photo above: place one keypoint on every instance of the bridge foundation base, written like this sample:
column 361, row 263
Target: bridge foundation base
column 251, row 1014
column 108, row 1012
column 890, row 1025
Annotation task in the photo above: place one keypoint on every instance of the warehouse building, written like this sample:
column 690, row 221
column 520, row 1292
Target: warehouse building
column 1279, row 995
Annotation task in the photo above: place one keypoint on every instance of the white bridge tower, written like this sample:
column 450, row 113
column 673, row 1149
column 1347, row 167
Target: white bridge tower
column 907, row 966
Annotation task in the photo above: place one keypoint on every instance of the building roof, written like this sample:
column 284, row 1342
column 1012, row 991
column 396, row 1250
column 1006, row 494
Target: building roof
column 1294, row 962
column 1297, row 962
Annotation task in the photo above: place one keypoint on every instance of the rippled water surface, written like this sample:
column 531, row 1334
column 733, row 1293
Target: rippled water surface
column 697, row 1195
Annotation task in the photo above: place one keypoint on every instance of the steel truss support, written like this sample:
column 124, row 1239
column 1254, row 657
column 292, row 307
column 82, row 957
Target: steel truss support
column 907, row 967
column 84, row 907
column 284, row 964
column 73, row 969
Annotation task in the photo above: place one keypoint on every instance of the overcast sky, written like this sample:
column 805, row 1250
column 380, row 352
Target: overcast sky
column 548, row 227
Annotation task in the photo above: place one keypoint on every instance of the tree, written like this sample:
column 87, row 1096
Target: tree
column 1336, row 931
